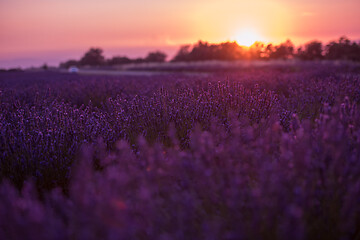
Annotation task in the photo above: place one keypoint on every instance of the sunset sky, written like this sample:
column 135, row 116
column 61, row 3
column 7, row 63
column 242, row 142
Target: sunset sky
column 37, row 31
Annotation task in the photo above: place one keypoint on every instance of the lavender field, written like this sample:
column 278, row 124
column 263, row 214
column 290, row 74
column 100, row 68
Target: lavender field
column 261, row 152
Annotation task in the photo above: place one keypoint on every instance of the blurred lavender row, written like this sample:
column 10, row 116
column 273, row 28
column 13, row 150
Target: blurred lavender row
column 261, row 153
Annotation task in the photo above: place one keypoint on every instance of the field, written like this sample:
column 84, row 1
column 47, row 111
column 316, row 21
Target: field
column 257, row 152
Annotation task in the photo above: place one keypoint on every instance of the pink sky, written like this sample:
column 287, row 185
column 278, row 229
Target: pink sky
column 38, row 31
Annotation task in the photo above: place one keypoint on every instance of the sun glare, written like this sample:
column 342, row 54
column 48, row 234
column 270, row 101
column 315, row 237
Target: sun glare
column 247, row 37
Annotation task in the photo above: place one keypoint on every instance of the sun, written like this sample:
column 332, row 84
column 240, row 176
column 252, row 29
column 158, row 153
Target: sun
column 247, row 37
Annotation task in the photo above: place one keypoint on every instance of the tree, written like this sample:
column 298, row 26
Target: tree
column 93, row 57
column 343, row 49
column 313, row 50
column 70, row 63
column 268, row 51
column 283, row 51
column 156, row 57
column 204, row 51
column 256, row 51
column 138, row 60
column 228, row 51
column 118, row 61
column 201, row 51
column 45, row 67
column 182, row 54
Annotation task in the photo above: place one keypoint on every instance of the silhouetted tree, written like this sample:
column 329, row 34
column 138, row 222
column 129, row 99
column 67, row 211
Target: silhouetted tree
column 138, row 60
column 283, row 51
column 202, row 51
column 182, row 54
column 45, row 66
column 69, row 63
column 256, row 51
column 268, row 51
column 355, row 51
column 343, row 49
column 118, row 61
column 156, row 57
column 313, row 50
column 93, row 57
column 205, row 51
column 228, row 51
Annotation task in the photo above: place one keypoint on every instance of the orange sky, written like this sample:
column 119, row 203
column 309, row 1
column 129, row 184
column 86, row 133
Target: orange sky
column 38, row 31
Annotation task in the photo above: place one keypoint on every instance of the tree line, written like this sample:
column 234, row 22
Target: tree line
column 341, row 49
column 95, row 57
